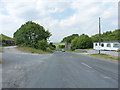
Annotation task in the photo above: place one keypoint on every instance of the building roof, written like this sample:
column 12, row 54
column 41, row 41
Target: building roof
column 113, row 41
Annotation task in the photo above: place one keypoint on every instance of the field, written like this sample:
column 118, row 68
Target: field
column 57, row 45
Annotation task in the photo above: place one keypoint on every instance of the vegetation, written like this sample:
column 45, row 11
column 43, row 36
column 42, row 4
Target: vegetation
column 32, row 35
column 42, row 44
column 4, row 38
column 107, row 36
column 105, row 56
column 69, row 38
column 84, row 41
column 60, row 45
column 81, row 42
column 0, row 61
column 52, row 46
column 33, row 50
column 1, row 49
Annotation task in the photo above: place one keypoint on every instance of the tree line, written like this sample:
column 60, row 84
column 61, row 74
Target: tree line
column 84, row 41
column 33, row 35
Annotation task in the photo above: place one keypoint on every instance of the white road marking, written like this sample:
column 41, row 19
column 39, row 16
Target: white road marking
column 86, row 65
column 90, row 71
column 18, row 56
column 106, row 77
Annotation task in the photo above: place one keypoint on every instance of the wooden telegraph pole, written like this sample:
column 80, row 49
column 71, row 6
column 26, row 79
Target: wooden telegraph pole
column 99, row 34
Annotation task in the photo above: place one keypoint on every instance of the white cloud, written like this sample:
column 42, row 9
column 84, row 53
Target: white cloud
column 83, row 20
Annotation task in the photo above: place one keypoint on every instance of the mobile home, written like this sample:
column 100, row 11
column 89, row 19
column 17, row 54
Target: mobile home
column 107, row 45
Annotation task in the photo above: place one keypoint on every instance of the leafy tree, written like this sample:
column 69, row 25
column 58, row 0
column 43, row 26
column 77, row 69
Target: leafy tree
column 81, row 42
column 116, row 34
column 107, row 36
column 52, row 46
column 42, row 44
column 95, row 38
column 61, row 46
column 30, row 33
column 73, row 43
column 68, row 39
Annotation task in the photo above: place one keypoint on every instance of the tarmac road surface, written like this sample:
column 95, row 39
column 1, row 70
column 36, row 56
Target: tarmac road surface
column 57, row 70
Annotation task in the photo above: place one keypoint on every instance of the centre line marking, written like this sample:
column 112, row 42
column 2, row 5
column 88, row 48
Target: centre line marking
column 86, row 65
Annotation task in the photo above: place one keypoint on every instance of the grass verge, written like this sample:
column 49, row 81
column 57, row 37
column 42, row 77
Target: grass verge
column 75, row 51
column 105, row 56
column 88, row 49
column 1, row 49
column 0, row 61
column 33, row 50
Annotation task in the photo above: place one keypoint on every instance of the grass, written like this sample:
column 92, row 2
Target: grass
column 60, row 44
column 57, row 45
column 33, row 50
column 0, row 61
column 105, row 56
column 4, row 37
column 88, row 49
column 75, row 51
column 1, row 49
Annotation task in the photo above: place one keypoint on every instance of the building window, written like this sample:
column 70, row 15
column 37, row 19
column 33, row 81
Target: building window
column 116, row 45
column 96, row 44
column 102, row 45
column 109, row 45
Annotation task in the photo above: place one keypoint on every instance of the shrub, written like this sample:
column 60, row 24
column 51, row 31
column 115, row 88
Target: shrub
column 61, row 46
column 42, row 44
column 81, row 42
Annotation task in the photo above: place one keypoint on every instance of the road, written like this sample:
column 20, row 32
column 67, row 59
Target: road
column 57, row 70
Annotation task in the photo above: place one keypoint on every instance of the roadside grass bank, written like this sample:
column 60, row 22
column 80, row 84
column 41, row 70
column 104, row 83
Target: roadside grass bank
column 105, row 56
column 75, row 51
column 88, row 49
column 33, row 50
column 1, row 49
column 0, row 61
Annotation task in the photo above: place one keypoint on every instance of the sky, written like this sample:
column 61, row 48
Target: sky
column 61, row 17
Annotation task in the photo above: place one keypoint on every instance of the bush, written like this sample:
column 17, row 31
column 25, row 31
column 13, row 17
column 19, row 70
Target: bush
column 42, row 44
column 49, row 50
column 52, row 47
column 61, row 46
column 73, row 43
column 81, row 42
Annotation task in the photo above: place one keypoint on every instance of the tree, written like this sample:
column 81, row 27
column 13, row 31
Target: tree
column 30, row 33
column 107, row 36
column 52, row 46
column 73, row 43
column 42, row 44
column 68, row 39
column 81, row 42
column 61, row 46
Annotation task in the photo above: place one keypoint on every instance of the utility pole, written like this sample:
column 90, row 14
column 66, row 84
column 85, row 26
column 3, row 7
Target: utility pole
column 99, row 35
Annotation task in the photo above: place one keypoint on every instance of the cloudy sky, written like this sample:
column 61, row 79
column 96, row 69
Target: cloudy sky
column 61, row 17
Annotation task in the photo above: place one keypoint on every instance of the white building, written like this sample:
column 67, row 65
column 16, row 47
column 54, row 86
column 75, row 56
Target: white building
column 107, row 45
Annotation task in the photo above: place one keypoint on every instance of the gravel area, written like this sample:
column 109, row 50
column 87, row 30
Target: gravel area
column 113, row 53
